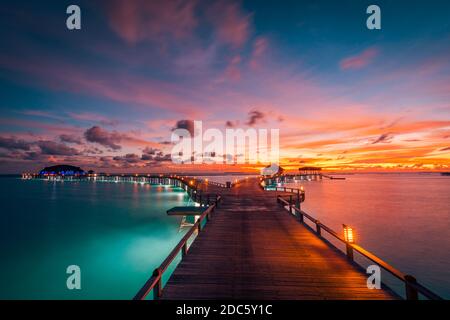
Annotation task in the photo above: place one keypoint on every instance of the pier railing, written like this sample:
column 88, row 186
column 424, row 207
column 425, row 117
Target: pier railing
column 155, row 282
column 298, row 193
column 217, row 184
column 223, row 185
column 412, row 287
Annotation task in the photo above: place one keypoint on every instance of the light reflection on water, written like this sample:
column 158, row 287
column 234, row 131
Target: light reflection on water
column 402, row 218
column 116, row 232
column 119, row 232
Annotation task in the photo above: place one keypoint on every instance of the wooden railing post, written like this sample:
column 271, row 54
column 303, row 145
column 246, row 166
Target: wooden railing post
column 158, row 287
column 318, row 229
column 184, row 250
column 291, row 203
column 349, row 250
column 411, row 292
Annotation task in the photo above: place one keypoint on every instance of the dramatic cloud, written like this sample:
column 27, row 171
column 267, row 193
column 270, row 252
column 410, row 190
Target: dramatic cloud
column 70, row 139
column 185, row 124
column 12, row 143
column 129, row 158
column 359, row 61
column 92, row 151
column 150, row 153
column 162, row 158
column 230, row 124
column 384, row 138
column 146, row 157
column 164, row 60
column 255, row 117
column 103, row 137
column 57, row 149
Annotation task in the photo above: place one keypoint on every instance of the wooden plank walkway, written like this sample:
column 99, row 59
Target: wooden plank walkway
column 251, row 249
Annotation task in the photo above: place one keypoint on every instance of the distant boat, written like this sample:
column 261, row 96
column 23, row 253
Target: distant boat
column 445, row 173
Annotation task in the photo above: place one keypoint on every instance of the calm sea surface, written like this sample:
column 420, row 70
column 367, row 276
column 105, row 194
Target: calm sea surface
column 402, row 218
column 119, row 232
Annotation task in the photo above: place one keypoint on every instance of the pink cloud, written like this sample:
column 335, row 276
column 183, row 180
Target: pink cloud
column 231, row 25
column 359, row 61
column 123, row 88
column 138, row 20
column 259, row 49
column 232, row 72
column 46, row 128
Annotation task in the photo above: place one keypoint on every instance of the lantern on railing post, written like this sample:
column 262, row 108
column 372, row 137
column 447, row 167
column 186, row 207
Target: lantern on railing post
column 349, row 238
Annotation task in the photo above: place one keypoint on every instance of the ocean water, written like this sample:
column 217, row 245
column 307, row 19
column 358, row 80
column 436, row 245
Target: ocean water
column 117, row 233
column 402, row 218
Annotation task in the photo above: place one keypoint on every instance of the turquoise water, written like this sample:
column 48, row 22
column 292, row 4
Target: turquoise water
column 117, row 233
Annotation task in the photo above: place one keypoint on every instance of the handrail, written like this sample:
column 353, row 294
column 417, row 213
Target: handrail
column 218, row 184
column 155, row 281
column 412, row 287
column 223, row 185
column 299, row 192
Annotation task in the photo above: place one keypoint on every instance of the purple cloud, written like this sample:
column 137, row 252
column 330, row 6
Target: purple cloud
column 107, row 139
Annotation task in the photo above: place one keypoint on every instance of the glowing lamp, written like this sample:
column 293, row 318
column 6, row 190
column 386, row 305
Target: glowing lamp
column 206, row 180
column 191, row 182
column 348, row 234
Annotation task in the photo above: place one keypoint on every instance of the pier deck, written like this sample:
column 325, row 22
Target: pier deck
column 251, row 249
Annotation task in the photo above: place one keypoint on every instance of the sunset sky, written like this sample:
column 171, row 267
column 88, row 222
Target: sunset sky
column 108, row 96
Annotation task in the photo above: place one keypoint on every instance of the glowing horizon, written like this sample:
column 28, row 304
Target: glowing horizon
column 108, row 96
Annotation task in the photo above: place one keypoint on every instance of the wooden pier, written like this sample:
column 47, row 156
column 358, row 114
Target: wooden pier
column 250, row 243
column 253, row 248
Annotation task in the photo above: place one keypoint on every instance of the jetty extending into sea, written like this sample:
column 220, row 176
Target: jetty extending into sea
column 251, row 243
